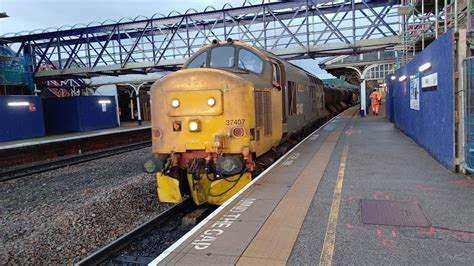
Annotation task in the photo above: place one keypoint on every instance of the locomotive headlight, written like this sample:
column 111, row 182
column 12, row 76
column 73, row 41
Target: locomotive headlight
column 194, row 126
column 211, row 101
column 175, row 103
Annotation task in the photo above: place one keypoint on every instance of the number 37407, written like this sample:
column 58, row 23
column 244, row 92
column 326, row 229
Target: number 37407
column 235, row 122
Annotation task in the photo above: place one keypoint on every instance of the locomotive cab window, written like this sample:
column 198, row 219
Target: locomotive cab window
column 276, row 75
column 225, row 57
column 222, row 56
column 199, row 61
column 250, row 61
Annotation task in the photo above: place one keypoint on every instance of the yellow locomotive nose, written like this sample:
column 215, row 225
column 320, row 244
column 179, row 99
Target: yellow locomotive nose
column 197, row 102
column 191, row 107
column 199, row 116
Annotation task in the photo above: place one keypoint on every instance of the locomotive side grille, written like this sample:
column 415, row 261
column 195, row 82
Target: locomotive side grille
column 267, row 112
column 258, row 108
column 312, row 95
column 263, row 110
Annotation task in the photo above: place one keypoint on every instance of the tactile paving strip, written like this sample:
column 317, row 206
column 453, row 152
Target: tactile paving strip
column 395, row 213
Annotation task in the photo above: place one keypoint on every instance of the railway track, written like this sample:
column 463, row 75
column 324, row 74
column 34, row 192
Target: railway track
column 15, row 173
column 165, row 227
column 167, row 223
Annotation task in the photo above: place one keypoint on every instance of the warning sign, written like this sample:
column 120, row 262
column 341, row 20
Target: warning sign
column 32, row 107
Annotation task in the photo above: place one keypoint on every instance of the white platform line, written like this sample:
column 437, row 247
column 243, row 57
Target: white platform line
column 176, row 244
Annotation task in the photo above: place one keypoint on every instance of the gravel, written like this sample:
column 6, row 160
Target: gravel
column 59, row 217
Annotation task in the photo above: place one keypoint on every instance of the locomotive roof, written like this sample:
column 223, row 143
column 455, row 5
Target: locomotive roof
column 262, row 53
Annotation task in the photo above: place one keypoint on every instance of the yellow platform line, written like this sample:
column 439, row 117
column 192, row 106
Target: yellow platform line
column 330, row 237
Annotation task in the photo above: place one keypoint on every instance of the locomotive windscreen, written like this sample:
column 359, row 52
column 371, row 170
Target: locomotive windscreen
column 224, row 57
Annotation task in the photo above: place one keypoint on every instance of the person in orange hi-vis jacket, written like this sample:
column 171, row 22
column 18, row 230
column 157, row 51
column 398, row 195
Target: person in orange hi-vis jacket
column 375, row 99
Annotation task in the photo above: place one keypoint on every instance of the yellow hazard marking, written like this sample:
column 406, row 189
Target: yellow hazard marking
column 329, row 239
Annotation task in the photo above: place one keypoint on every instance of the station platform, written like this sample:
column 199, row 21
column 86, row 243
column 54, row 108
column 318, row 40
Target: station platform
column 124, row 127
column 14, row 153
column 356, row 191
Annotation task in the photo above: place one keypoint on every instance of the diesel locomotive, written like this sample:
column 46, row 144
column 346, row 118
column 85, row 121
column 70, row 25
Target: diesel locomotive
column 229, row 113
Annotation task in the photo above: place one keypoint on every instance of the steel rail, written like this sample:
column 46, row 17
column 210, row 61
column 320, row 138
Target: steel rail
column 107, row 253
column 109, row 250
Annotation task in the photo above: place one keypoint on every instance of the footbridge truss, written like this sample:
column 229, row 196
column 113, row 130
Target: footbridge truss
column 291, row 29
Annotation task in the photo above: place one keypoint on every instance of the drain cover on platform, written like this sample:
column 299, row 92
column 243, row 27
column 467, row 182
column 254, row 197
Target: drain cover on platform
column 390, row 212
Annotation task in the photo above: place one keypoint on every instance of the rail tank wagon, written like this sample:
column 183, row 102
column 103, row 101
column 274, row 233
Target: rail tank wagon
column 230, row 112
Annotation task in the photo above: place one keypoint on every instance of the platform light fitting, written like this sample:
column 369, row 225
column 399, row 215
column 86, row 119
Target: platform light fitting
column 402, row 78
column 424, row 67
column 393, row 77
column 104, row 101
column 18, row 103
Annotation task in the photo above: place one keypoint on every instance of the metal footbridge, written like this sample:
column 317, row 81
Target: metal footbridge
column 291, row 29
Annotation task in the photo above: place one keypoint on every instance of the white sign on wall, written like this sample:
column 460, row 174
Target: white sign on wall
column 429, row 81
column 415, row 92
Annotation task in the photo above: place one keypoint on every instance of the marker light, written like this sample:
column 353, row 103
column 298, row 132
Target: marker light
column 194, row 126
column 175, row 103
column 18, row 104
column 211, row 101
column 402, row 78
column 104, row 101
column 157, row 133
column 424, row 67
column 238, row 132
column 393, row 77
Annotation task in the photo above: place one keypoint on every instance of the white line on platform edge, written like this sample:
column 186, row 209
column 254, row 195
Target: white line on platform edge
column 176, row 244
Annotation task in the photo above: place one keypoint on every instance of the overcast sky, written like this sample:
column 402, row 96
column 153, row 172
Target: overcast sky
column 27, row 15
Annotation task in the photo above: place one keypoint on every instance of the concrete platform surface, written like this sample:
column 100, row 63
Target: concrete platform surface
column 306, row 209
column 124, row 127
column 385, row 164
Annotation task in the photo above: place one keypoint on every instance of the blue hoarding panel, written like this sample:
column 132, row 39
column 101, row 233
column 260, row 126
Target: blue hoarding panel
column 426, row 113
column 81, row 113
column 97, row 112
column 21, row 117
column 61, row 115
